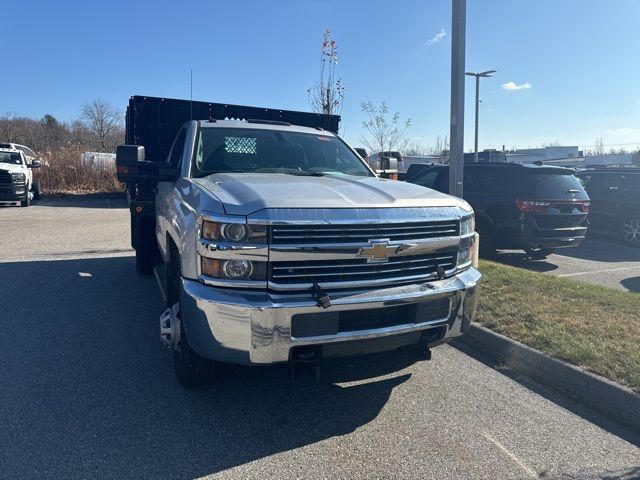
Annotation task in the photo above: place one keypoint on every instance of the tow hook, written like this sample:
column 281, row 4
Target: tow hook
column 426, row 353
column 308, row 357
column 170, row 327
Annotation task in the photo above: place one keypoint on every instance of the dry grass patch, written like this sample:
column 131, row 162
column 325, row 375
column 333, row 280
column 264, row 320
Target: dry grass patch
column 66, row 174
column 597, row 328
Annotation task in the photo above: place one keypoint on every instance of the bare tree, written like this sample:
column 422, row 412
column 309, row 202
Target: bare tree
column 48, row 134
column 387, row 132
column 104, row 121
column 327, row 94
column 21, row 130
column 416, row 148
column 439, row 148
column 8, row 131
column 618, row 151
column 598, row 148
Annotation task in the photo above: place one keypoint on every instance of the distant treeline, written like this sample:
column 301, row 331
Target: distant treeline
column 99, row 128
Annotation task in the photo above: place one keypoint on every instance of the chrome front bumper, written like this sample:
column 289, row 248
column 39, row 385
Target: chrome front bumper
column 253, row 328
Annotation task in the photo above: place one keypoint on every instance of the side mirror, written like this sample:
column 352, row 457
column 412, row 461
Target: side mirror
column 128, row 154
column 387, row 163
column 131, row 166
column 35, row 164
column 128, row 168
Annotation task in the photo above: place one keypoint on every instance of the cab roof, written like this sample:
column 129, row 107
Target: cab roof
column 262, row 125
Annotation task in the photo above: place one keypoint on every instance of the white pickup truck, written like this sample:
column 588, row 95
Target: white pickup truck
column 275, row 242
column 16, row 178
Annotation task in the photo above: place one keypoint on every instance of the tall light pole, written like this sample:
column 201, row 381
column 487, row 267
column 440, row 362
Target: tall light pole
column 488, row 73
column 456, row 136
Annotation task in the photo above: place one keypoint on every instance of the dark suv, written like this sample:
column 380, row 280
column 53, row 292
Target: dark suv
column 536, row 208
column 615, row 193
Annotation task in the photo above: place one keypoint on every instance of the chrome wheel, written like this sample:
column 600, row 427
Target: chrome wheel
column 631, row 231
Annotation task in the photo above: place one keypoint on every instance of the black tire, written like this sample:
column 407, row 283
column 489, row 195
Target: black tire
column 35, row 187
column 192, row 370
column 487, row 239
column 630, row 230
column 539, row 253
column 26, row 202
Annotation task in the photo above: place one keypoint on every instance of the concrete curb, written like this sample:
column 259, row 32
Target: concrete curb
column 601, row 395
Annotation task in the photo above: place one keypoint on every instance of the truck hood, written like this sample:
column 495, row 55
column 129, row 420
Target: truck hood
column 10, row 167
column 246, row 193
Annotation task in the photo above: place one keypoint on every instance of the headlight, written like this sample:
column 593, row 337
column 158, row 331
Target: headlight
column 468, row 251
column 234, row 232
column 233, row 269
column 18, row 177
column 464, row 256
column 467, row 225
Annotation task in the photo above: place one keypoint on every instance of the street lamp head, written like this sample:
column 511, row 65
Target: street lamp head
column 488, row 73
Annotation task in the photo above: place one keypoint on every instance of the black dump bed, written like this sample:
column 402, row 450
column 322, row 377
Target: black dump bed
column 154, row 122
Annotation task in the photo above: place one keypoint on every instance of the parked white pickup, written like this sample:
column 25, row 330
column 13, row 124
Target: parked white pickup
column 16, row 178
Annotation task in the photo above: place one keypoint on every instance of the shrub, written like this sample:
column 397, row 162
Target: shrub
column 64, row 173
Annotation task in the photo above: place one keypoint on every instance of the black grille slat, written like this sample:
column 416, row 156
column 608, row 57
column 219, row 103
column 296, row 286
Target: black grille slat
column 358, row 228
column 411, row 270
column 318, row 234
column 5, row 177
column 360, row 269
column 356, row 263
column 364, row 237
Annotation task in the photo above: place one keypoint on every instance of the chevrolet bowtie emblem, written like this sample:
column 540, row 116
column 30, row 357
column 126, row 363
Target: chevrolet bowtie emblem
column 379, row 251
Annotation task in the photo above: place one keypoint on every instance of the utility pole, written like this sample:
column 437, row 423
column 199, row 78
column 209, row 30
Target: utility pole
column 488, row 73
column 456, row 149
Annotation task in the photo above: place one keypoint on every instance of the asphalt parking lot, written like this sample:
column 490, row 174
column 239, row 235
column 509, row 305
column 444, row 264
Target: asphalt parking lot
column 87, row 391
column 597, row 260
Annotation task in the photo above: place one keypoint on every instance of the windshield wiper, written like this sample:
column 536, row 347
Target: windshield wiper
column 206, row 174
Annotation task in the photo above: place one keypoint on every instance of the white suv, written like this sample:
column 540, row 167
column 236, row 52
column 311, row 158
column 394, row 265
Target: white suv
column 16, row 177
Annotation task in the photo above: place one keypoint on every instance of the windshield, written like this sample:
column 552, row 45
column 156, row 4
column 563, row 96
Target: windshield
column 273, row 151
column 10, row 157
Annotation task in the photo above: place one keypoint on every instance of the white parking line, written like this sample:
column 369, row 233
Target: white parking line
column 575, row 274
column 511, row 455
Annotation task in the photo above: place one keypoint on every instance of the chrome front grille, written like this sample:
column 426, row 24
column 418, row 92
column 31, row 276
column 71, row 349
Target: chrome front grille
column 361, row 233
column 349, row 272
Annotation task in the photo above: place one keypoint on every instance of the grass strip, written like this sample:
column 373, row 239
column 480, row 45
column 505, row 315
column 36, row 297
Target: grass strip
column 594, row 327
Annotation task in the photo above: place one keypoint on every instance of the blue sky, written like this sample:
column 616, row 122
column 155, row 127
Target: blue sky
column 580, row 58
